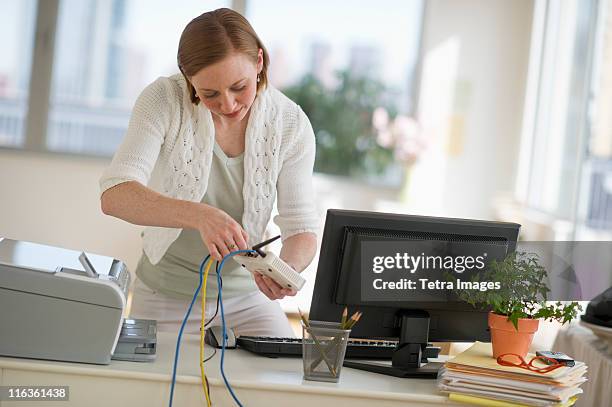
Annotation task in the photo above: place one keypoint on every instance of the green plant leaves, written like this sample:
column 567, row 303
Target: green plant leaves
column 523, row 292
column 342, row 120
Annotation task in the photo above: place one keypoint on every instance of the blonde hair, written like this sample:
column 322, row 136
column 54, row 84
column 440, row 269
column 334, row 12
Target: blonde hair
column 211, row 37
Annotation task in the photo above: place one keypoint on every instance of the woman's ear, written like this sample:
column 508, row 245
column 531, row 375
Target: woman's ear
column 192, row 92
column 259, row 60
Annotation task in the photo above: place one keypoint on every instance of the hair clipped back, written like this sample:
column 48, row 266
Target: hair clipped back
column 212, row 36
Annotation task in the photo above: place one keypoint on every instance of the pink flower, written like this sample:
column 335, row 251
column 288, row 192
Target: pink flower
column 380, row 118
column 403, row 135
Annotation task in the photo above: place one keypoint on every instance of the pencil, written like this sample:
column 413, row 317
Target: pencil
column 353, row 321
column 331, row 368
column 303, row 318
column 344, row 315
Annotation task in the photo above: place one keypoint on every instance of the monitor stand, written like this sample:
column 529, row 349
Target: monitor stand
column 407, row 360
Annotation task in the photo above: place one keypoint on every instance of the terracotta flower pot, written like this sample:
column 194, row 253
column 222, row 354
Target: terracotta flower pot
column 505, row 337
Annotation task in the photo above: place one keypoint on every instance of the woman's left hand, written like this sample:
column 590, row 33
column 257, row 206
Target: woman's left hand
column 271, row 289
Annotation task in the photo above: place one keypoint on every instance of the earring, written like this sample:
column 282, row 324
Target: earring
column 258, row 78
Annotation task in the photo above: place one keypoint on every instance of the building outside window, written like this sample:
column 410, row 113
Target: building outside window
column 106, row 52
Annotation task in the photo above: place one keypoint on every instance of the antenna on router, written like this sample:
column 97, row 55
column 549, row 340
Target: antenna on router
column 258, row 246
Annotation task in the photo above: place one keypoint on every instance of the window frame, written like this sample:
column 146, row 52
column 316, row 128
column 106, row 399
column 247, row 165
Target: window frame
column 535, row 127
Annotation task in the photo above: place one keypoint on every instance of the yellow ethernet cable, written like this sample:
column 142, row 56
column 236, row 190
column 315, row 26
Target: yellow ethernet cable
column 202, row 332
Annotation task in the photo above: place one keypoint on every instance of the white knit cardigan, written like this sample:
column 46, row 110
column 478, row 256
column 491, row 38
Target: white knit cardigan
column 169, row 145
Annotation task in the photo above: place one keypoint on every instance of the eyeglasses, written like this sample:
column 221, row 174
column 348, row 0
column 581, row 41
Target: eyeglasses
column 514, row 360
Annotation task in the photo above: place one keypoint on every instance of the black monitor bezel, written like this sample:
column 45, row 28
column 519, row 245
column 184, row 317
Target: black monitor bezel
column 324, row 307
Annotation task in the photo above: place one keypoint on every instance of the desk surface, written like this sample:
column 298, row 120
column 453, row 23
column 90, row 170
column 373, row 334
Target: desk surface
column 256, row 380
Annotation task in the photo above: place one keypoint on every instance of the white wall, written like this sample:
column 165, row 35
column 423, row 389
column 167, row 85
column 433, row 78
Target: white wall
column 474, row 75
column 53, row 199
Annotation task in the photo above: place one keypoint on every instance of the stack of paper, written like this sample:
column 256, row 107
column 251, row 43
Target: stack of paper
column 474, row 376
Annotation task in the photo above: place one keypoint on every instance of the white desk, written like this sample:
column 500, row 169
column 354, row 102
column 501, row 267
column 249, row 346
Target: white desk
column 256, row 380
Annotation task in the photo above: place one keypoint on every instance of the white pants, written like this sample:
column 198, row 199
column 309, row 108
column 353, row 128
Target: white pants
column 249, row 314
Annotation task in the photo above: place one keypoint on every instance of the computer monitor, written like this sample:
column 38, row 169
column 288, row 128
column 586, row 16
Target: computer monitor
column 414, row 317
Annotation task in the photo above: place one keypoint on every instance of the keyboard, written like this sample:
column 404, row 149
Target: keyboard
column 356, row 348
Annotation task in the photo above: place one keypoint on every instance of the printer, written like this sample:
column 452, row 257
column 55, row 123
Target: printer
column 56, row 306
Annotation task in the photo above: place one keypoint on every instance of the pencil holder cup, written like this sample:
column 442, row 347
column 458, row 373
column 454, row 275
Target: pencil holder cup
column 323, row 350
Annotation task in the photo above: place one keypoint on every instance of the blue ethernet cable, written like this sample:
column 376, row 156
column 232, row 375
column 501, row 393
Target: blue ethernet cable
column 178, row 340
column 224, row 342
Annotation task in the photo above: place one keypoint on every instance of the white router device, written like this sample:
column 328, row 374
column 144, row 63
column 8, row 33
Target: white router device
column 270, row 265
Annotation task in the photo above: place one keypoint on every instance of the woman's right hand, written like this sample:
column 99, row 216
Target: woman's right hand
column 220, row 232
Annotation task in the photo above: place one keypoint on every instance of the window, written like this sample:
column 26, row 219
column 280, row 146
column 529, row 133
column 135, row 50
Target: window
column 105, row 52
column 362, row 57
column 566, row 160
column 340, row 61
column 17, row 22
column 595, row 205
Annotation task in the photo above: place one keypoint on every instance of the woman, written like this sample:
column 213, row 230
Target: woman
column 206, row 155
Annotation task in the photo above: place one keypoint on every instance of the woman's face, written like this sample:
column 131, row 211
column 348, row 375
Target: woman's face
column 228, row 88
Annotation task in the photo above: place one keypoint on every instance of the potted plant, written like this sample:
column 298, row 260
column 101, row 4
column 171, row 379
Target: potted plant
column 519, row 303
